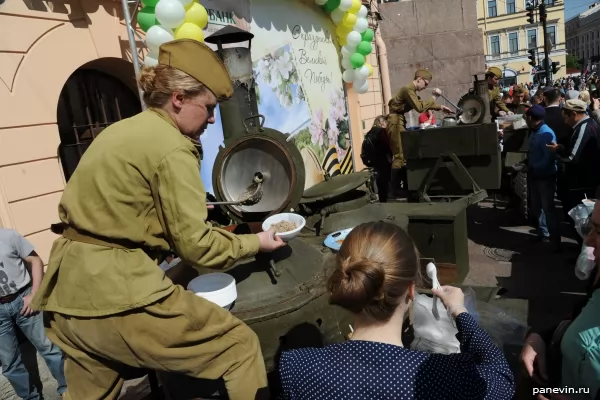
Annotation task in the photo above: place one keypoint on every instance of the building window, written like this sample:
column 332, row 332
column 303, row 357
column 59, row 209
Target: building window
column 511, row 6
column 495, row 45
column 492, row 10
column 513, row 42
column 552, row 35
column 89, row 102
column 532, row 39
column 549, row 2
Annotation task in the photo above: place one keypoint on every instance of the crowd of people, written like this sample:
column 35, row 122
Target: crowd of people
column 107, row 306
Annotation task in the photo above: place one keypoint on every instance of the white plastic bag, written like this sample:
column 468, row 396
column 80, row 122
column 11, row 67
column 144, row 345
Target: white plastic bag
column 580, row 215
column 585, row 263
column 431, row 335
column 437, row 336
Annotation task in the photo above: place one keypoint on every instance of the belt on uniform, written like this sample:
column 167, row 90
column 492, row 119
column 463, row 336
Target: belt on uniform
column 12, row 297
column 76, row 235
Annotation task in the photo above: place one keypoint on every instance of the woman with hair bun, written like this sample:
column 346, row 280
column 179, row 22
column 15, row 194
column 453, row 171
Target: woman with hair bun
column 374, row 278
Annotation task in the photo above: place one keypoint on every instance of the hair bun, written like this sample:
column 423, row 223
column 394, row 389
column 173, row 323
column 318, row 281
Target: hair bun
column 147, row 79
column 360, row 285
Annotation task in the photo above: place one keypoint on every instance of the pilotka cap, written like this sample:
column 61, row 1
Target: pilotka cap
column 497, row 72
column 199, row 61
column 423, row 73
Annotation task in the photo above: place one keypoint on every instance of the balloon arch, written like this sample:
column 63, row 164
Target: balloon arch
column 166, row 20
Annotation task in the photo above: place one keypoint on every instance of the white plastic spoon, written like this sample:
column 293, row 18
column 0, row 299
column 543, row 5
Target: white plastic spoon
column 432, row 274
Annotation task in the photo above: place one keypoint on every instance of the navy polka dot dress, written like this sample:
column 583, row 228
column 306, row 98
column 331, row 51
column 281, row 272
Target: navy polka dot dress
column 369, row 370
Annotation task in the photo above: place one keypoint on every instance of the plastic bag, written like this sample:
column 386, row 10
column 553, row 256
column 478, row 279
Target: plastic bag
column 437, row 336
column 432, row 335
column 507, row 332
column 580, row 214
column 585, row 263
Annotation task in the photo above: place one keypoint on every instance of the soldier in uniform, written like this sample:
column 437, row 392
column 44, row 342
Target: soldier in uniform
column 405, row 100
column 493, row 76
column 136, row 193
column 518, row 105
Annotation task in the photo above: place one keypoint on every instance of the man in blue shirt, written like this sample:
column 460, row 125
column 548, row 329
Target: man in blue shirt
column 541, row 172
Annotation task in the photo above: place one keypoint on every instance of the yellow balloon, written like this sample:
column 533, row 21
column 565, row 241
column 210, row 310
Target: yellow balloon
column 189, row 31
column 189, row 5
column 197, row 15
column 342, row 30
column 355, row 8
column 342, row 41
column 370, row 67
column 349, row 20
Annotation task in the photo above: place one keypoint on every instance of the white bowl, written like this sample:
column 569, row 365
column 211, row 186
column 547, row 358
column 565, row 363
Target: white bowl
column 285, row 236
column 216, row 287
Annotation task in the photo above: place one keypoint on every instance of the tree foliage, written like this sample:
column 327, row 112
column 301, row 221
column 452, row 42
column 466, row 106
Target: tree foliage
column 572, row 61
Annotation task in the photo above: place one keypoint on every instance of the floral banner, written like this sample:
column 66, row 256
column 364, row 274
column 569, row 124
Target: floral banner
column 299, row 86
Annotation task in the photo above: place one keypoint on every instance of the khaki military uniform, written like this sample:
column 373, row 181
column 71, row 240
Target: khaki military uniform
column 137, row 191
column 496, row 99
column 404, row 101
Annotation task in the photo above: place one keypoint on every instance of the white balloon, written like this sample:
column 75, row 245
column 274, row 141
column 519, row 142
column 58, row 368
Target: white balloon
column 358, row 81
column 345, row 5
column 348, row 76
column 150, row 61
column 320, row 2
column 337, row 15
column 361, row 87
column 362, row 13
column 156, row 36
column 186, row 2
column 170, row 13
column 346, row 64
column 361, row 25
column 362, row 72
column 353, row 39
column 345, row 52
column 348, row 49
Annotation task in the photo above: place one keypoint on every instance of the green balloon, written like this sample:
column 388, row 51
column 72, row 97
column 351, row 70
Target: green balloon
column 357, row 60
column 146, row 18
column 367, row 36
column 331, row 5
column 364, row 48
column 150, row 3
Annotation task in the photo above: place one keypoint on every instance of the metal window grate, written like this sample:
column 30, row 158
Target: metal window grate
column 89, row 102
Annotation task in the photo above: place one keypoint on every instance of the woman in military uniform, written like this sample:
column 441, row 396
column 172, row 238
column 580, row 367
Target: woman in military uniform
column 493, row 76
column 137, row 192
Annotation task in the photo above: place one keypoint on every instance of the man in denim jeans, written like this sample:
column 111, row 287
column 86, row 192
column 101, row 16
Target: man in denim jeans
column 541, row 174
column 21, row 272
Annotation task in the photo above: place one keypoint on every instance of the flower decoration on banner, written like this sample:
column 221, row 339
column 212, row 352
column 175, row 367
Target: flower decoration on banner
column 166, row 20
column 354, row 36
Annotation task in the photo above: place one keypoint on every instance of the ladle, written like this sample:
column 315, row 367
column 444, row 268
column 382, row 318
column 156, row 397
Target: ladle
column 250, row 196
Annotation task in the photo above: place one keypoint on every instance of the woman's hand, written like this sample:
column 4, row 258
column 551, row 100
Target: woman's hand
column 533, row 356
column 269, row 241
column 453, row 299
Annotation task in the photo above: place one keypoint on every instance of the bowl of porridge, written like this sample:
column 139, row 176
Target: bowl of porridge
column 288, row 225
